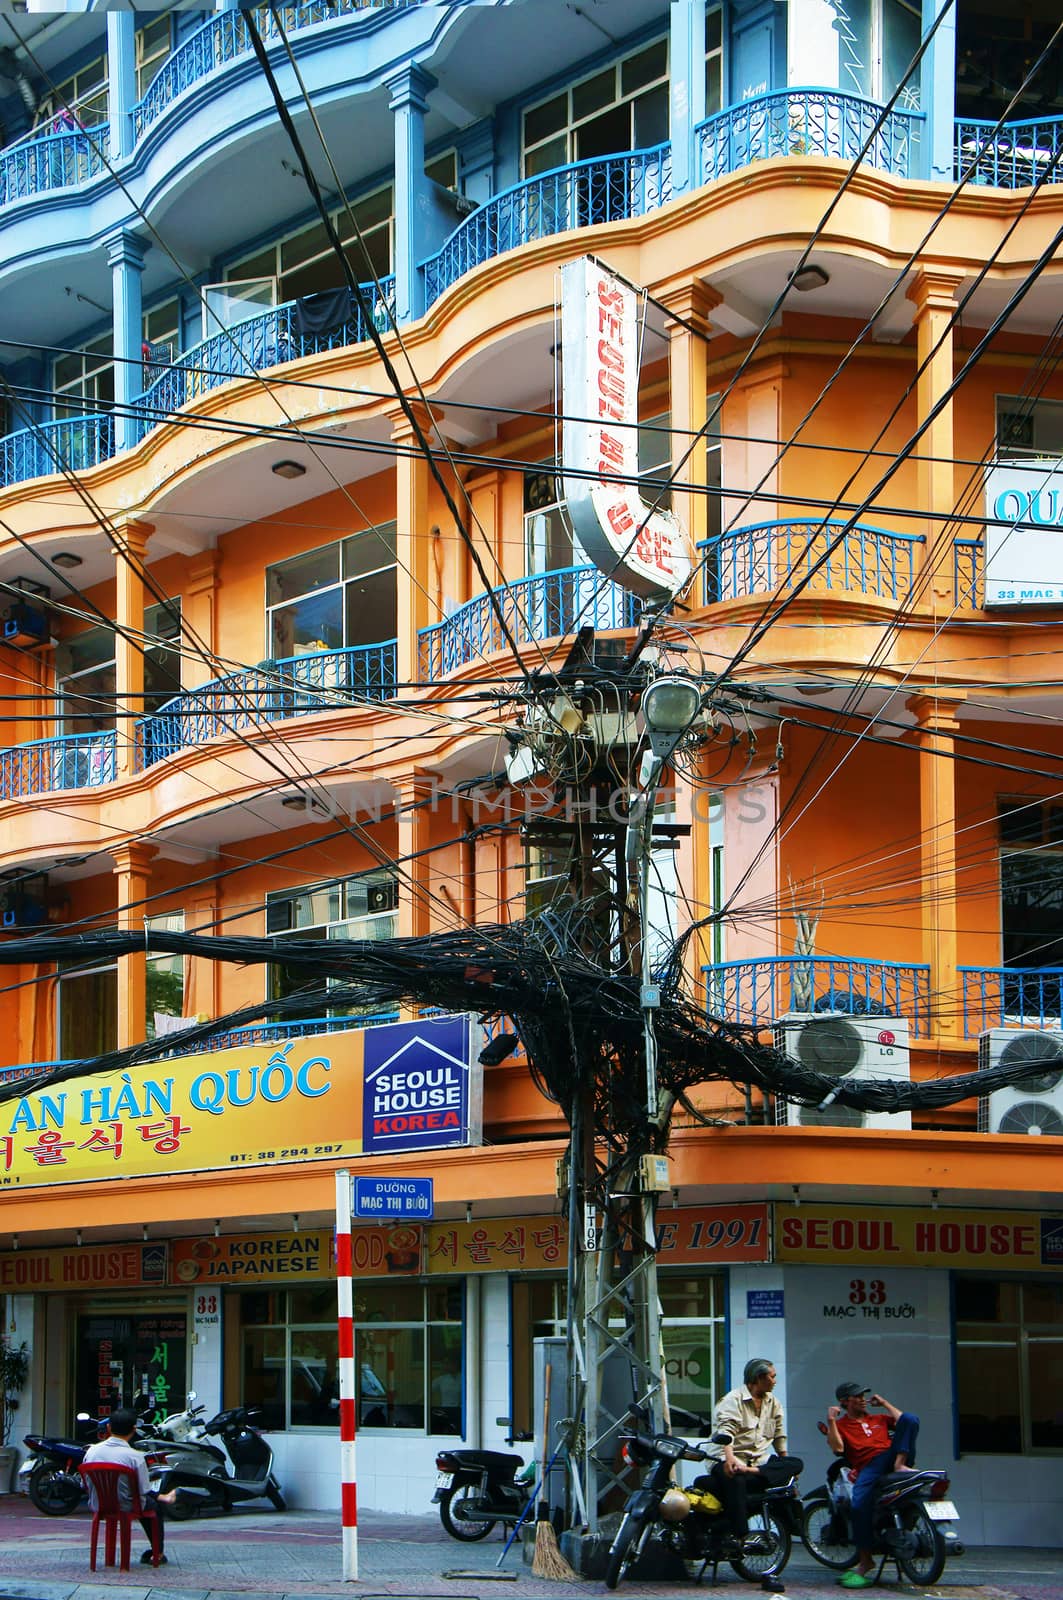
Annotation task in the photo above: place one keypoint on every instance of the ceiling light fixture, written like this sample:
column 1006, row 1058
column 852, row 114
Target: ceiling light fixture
column 288, row 469
column 67, row 558
column 808, row 277
column 304, row 802
column 812, row 689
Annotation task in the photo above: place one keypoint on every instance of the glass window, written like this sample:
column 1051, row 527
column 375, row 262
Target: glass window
column 618, row 108
column 87, row 1004
column 340, row 596
column 1009, row 1371
column 85, row 675
column 84, row 379
column 153, row 44
column 1029, row 428
column 305, row 263
column 362, row 907
column 443, row 170
column 80, row 100
column 165, row 978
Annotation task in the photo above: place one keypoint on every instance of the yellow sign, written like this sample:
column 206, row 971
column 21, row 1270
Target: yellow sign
column 252, row 1106
column 311, row 1253
column 1012, row 1241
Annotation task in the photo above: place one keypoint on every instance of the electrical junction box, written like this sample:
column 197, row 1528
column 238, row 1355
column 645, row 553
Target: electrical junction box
column 655, row 1174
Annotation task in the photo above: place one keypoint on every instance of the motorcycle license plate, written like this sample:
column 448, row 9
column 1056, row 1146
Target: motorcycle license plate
column 941, row 1511
column 444, row 1480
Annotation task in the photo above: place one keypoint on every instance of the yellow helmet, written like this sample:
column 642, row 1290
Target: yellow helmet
column 674, row 1506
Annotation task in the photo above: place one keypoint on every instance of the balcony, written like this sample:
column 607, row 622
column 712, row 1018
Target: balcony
column 252, row 347
column 756, row 993
column 1007, row 997
column 240, row 702
column 73, row 444
column 41, row 162
column 606, row 189
column 538, row 608
column 806, row 122
column 777, row 555
column 1016, row 156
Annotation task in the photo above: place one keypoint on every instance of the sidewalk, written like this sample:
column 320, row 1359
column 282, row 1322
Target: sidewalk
column 265, row 1555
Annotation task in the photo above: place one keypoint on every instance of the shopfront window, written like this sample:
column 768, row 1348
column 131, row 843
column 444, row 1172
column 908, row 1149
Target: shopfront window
column 338, row 597
column 1009, row 1366
column 128, row 1357
column 407, row 1355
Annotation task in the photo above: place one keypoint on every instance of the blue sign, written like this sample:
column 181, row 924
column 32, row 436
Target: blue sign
column 393, row 1197
column 422, row 1085
column 764, row 1303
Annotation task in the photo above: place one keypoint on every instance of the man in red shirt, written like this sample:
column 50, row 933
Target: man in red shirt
column 871, row 1446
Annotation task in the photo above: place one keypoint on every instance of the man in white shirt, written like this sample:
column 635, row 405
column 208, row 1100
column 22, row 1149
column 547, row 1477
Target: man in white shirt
column 117, row 1450
column 756, row 1456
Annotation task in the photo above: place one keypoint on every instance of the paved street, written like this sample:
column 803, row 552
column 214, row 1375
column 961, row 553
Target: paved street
column 297, row 1554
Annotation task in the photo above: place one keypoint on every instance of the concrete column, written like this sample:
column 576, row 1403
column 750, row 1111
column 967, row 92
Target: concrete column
column 934, row 295
column 121, row 81
column 686, row 72
column 198, row 609
column 937, row 95
column 937, row 724
column 688, row 352
column 129, row 652
column 409, row 102
column 413, row 542
column 125, row 253
column 131, row 866
column 415, row 818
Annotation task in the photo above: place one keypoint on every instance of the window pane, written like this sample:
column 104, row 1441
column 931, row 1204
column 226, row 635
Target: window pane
column 651, row 118
column 301, row 574
column 445, row 1302
column 263, row 1374
column 545, row 119
column 443, row 170
column 1042, row 1303
column 389, row 1302
column 372, row 608
column 263, row 264
column 546, row 157
column 88, row 1014
column 646, row 67
column 315, row 1378
column 309, row 626
column 983, row 1300
column 315, row 1303
column 389, row 1363
column 262, row 1306
column 693, row 1359
column 324, row 273
column 369, row 551
column 303, row 246
column 593, row 94
column 987, row 1395
column 445, row 1380
column 686, row 1297
column 1046, row 1393
column 714, row 29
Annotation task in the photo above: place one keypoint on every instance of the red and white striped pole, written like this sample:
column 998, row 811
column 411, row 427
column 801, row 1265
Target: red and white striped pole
column 348, row 1388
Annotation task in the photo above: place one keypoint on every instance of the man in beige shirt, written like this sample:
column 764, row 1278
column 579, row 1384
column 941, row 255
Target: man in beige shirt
column 755, row 1457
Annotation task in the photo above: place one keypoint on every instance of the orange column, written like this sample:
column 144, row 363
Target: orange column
column 413, row 541
column 131, row 864
column 133, row 539
column 414, row 797
column 934, row 296
column 936, row 727
column 688, row 384
column 199, row 613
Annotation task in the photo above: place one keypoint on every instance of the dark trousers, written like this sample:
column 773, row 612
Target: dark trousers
column 905, row 1434
column 147, row 1524
column 733, row 1493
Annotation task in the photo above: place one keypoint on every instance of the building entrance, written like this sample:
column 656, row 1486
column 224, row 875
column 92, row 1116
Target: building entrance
column 126, row 1357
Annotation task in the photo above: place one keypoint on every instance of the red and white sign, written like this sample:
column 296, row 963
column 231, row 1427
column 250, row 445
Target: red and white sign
column 644, row 550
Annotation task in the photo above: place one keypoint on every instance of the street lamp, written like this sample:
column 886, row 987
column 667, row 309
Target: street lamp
column 669, row 706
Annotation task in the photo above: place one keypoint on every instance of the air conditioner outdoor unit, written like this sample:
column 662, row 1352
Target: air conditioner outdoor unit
column 1034, row 1105
column 844, row 1047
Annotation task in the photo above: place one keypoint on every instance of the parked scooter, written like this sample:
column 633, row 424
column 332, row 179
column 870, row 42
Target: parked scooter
column 50, row 1476
column 211, row 1478
column 690, row 1522
column 912, row 1523
column 476, row 1489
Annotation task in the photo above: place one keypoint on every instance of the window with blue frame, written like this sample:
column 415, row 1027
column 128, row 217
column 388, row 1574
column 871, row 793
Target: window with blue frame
column 1009, row 1365
column 336, row 597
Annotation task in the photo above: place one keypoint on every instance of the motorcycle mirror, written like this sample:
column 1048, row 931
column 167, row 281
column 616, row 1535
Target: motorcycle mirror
column 192, row 1397
column 722, row 1438
column 83, row 1416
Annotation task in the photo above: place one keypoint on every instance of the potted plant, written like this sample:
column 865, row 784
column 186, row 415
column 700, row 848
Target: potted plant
column 14, row 1370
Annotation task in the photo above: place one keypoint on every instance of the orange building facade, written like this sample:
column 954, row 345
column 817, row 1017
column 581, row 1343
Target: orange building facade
column 269, row 698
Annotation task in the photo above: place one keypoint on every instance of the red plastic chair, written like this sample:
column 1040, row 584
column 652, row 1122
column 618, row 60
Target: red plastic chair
column 105, row 1478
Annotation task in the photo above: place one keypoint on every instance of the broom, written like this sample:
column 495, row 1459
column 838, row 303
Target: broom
column 548, row 1562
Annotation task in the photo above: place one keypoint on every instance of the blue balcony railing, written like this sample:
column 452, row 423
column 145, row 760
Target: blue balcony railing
column 770, row 555
column 225, row 37
column 70, row 761
column 968, row 574
column 52, row 161
column 758, row 992
column 541, row 607
column 606, row 189
column 75, row 443
column 254, row 346
column 1015, row 156
column 1001, row 997
column 806, row 122
column 297, row 686
column 260, row 1033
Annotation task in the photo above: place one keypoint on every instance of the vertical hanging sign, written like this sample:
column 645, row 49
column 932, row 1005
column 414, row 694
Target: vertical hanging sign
column 644, row 550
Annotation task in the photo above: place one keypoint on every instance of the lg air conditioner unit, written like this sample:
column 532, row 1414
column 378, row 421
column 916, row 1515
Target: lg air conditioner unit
column 844, row 1048
column 1032, row 1104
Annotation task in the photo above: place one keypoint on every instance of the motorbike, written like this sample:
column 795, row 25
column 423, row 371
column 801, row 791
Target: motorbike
column 50, row 1474
column 690, row 1522
column 911, row 1523
column 476, row 1489
column 210, row 1477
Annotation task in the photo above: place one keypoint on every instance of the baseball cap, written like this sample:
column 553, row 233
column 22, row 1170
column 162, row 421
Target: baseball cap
column 846, row 1391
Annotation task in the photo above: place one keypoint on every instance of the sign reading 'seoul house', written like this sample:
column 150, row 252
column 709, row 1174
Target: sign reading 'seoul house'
column 643, row 549
column 1024, row 535
column 423, row 1085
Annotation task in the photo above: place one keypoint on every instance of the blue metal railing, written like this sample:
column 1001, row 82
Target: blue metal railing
column 1015, row 156
column 52, row 161
column 770, row 555
column 806, row 122
column 968, row 573
column 1022, row 997
column 70, row 761
column 225, row 37
column 758, row 992
column 249, row 347
column 260, row 1033
column 605, row 189
column 296, row 686
column 73, row 442
column 545, row 606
